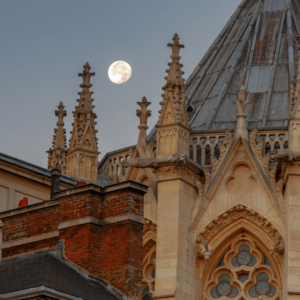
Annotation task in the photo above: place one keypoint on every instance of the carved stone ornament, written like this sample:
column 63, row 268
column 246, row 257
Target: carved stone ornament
column 173, row 107
column 149, row 226
column 59, row 141
column 279, row 246
column 176, row 172
column 200, row 188
column 239, row 211
column 223, row 149
column 241, row 103
column 287, row 155
column 143, row 113
column 203, row 251
column 256, row 145
column 177, row 159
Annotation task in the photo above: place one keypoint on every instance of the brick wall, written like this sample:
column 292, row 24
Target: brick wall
column 121, row 203
column 82, row 246
column 111, row 250
column 121, row 255
column 30, row 223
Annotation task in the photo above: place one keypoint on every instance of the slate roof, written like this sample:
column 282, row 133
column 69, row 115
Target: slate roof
column 46, row 270
column 34, row 168
column 104, row 179
column 257, row 48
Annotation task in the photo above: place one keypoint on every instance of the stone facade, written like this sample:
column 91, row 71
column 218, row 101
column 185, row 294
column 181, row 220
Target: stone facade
column 221, row 169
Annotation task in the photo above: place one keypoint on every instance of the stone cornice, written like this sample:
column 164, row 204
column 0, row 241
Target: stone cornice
column 138, row 187
column 31, row 239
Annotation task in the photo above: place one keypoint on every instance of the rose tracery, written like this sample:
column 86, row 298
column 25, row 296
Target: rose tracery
column 244, row 272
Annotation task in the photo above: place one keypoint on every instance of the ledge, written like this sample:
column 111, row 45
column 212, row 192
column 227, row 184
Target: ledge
column 103, row 222
column 32, row 239
column 28, row 208
column 103, row 189
column 164, row 294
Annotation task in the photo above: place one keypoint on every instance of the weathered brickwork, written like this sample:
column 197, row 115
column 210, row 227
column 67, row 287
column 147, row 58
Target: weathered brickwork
column 31, row 223
column 30, row 247
column 109, row 250
column 122, row 256
column 121, row 203
column 75, row 207
column 82, row 246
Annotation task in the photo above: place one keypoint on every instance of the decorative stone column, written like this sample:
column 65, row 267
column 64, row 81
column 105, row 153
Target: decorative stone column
column 177, row 194
column 291, row 180
column 291, row 279
column 177, row 191
column 177, row 178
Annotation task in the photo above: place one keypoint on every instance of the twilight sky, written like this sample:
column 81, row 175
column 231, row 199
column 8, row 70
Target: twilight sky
column 46, row 43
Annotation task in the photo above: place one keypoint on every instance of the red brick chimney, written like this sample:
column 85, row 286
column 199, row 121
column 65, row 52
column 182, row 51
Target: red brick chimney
column 101, row 229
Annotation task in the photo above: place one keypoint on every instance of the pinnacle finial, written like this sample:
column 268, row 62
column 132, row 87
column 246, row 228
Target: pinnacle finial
column 143, row 114
column 86, row 67
column 58, row 150
column 175, row 47
column 242, row 103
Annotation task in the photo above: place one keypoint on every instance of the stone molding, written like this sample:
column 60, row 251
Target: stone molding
column 164, row 294
column 78, row 222
column 122, row 218
column 101, row 222
column 149, row 226
column 31, row 239
column 234, row 213
column 176, row 172
column 72, row 223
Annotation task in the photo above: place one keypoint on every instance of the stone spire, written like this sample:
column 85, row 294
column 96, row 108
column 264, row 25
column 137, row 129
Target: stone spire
column 294, row 120
column 83, row 149
column 173, row 107
column 59, row 141
column 143, row 114
column 173, row 128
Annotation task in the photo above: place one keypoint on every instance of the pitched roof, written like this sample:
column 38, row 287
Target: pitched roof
column 48, row 272
column 257, row 48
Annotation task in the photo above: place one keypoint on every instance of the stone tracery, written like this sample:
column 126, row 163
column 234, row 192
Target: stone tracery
column 244, row 272
column 233, row 214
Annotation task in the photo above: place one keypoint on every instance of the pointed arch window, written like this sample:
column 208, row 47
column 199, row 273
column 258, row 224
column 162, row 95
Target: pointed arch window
column 267, row 148
column 207, row 155
column 217, row 152
column 198, row 158
column 244, row 272
column 191, row 153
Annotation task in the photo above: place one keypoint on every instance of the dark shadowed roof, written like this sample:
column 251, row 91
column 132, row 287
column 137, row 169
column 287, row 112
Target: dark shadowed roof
column 47, row 271
column 257, row 48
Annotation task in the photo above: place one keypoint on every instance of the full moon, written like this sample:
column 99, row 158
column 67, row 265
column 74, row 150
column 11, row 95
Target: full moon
column 119, row 72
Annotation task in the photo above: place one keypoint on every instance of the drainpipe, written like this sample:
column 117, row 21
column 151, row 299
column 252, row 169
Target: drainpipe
column 55, row 179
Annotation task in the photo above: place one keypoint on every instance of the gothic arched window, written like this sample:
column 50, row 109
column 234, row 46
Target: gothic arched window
column 217, row 152
column 244, row 272
column 267, row 148
column 149, row 274
column 198, row 158
column 191, row 153
column 207, row 155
